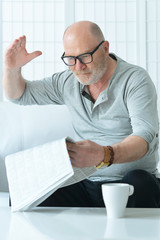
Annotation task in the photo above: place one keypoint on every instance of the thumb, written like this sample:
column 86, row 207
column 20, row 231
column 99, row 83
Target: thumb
column 33, row 55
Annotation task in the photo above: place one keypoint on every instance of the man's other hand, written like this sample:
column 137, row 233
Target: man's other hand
column 85, row 153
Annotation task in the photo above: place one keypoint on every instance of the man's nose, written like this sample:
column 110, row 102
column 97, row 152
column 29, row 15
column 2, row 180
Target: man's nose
column 79, row 66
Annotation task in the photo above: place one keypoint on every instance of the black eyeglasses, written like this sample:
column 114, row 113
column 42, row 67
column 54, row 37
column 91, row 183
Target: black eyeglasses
column 84, row 58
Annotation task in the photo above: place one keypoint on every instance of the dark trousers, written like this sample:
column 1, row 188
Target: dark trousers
column 88, row 193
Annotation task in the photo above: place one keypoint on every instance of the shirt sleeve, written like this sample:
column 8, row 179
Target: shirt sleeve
column 46, row 91
column 142, row 107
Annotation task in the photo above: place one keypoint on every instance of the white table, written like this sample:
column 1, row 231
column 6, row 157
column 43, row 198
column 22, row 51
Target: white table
column 78, row 224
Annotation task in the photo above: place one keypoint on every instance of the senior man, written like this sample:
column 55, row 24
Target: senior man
column 113, row 105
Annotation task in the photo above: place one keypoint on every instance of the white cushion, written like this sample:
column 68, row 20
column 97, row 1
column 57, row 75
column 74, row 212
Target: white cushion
column 22, row 127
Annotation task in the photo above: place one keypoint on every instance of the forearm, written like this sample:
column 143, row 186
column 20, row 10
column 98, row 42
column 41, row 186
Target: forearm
column 87, row 153
column 13, row 83
column 130, row 149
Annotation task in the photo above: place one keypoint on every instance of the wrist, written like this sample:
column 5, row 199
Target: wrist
column 108, row 157
column 12, row 69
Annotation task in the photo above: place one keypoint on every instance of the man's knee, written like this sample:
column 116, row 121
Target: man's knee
column 138, row 176
column 146, row 189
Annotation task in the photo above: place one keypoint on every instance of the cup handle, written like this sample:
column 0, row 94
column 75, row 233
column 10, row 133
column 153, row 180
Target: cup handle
column 131, row 190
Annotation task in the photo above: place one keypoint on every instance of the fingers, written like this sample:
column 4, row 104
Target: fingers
column 75, row 146
column 73, row 158
column 72, row 155
column 23, row 41
column 20, row 42
column 71, row 146
column 13, row 45
column 84, row 142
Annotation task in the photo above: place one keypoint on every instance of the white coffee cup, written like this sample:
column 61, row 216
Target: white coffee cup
column 115, row 196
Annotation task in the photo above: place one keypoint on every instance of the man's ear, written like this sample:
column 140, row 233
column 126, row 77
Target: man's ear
column 106, row 47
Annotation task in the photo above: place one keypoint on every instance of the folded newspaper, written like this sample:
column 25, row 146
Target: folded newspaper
column 35, row 173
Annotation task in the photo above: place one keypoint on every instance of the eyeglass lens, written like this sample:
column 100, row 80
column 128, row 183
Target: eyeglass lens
column 86, row 58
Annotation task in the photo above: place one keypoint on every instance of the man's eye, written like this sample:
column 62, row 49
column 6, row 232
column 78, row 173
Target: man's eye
column 70, row 59
column 85, row 56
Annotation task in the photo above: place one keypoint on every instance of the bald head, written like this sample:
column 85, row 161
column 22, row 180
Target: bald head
column 83, row 30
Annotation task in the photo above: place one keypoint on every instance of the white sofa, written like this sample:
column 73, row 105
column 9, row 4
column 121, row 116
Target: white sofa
column 23, row 127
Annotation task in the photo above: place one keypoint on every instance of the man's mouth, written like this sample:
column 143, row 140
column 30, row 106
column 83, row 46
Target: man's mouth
column 81, row 73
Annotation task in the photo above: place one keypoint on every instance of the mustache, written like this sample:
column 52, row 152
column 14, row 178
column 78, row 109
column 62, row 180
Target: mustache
column 81, row 72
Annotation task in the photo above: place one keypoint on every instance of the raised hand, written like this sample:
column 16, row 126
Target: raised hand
column 17, row 56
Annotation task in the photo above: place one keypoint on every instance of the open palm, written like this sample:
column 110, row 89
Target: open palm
column 17, row 56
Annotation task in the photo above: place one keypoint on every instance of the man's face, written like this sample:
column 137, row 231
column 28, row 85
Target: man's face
column 90, row 73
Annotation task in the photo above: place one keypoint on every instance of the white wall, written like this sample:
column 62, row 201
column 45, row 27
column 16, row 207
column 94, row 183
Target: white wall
column 131, row 27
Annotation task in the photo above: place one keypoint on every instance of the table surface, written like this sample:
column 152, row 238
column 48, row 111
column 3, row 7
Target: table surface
column 78, row 224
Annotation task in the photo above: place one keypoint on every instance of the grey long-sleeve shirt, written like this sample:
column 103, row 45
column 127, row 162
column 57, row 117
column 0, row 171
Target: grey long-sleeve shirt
column 127, row 107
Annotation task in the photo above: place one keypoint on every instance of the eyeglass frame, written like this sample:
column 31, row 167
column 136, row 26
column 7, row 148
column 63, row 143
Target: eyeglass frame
column 78, row 57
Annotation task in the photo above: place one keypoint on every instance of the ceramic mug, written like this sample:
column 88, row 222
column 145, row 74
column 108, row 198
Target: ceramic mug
column 115, row 196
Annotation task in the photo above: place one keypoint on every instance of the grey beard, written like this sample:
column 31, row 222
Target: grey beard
column 95, row 77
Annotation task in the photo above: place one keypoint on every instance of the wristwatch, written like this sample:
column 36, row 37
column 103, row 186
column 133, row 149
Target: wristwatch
column 108, row 158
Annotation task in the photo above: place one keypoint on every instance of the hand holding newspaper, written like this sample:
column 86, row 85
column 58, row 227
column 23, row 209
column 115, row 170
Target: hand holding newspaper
column 34, row 174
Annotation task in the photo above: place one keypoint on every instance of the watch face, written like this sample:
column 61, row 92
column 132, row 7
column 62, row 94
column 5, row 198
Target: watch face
column 106, row 163
column 103, row 164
